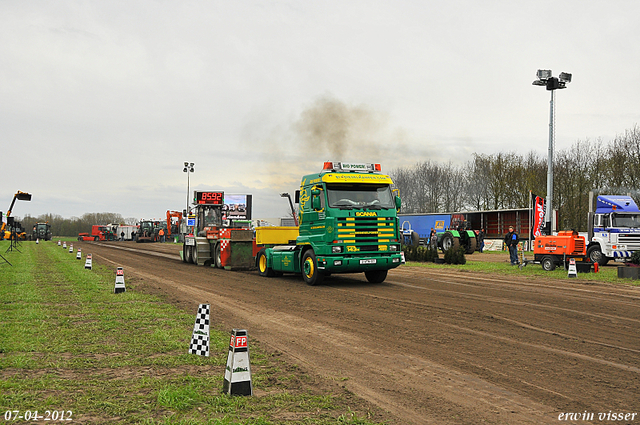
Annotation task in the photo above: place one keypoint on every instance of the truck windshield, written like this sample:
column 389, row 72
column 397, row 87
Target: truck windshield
column 365, row 196
column 625, row 220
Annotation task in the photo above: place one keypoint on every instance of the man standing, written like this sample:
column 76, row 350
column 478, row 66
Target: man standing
column 511, row 241
column 481, row 239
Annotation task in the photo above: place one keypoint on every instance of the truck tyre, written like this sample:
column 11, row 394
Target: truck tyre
column 548, row 264
column 217, row 259
column 595, row 255
column 194, row 254
column 261, row 261
column 450, row 242
column 415, row 239
column 472, row 245
column 188, row 254
column 376, row 276
column 184, row 253
column 310, row 273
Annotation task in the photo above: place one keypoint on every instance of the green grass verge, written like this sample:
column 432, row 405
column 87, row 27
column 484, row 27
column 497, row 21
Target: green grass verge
column 68, row 343
column 607, row 274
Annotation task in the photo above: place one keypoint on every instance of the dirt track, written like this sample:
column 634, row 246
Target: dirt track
column 428, row 346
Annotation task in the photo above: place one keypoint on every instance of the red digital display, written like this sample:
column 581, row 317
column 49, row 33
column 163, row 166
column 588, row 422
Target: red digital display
column 210, row 198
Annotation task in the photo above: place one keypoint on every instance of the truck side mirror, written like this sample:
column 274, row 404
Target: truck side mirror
column 316, row 202
column 398, row 203
column 297, row 197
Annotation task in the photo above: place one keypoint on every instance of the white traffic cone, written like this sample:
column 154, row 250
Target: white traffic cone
column 572, row 268
column 200, row 337
column 87, row 263
column 58, row 243
column 79, row 254
column 119, row 281
column 237, row 374
column 37, row 241
column 64, row 245
column 71, row 249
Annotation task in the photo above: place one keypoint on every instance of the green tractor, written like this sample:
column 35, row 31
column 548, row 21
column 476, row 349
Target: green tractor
column 458, row 235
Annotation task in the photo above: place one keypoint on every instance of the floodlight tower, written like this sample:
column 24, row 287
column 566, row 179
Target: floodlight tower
column 188, row 168
column 552, row 84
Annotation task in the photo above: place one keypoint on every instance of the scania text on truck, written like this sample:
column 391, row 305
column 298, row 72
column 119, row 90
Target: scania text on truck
column 348, row 223
column 614, row 229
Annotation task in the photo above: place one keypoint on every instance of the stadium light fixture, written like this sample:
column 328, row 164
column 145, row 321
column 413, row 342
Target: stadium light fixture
column 546, row 79
column 188, row 168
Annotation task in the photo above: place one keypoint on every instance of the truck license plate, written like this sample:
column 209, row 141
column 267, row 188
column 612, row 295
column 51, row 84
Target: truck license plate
column 190, row 242
column 370, row 261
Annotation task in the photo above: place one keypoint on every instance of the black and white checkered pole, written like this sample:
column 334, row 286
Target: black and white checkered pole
column 237, row 374
column 88, row 262
column 200, row 338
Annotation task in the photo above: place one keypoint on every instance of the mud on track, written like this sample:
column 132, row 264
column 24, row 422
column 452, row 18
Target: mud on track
column 427, row 345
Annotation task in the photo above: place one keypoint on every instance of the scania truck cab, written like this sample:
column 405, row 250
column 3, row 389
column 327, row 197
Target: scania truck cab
column 614, row 229
column 348, row 223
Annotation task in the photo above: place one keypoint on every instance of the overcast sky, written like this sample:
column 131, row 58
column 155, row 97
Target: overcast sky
column 101, row 102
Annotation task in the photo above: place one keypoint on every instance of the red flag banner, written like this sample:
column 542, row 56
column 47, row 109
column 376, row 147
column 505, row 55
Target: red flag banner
column 538, row 215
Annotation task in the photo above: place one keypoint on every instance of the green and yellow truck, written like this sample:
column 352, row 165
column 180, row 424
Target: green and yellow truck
column 348, row 223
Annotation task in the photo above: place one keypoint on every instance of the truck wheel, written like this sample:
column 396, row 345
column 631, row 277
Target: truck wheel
column 184, row 253
column 472, row 245
column 188, row 254
column 376, row 276
column 415, row 239
column 261, row 261
column 217, row 256
column 450, row 242
column 595, row 255
column 310, row 273
column 194, row 254
column 548, row 264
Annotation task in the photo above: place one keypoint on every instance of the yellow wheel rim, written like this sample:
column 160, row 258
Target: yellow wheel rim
column 309, row 268
column 263, row 263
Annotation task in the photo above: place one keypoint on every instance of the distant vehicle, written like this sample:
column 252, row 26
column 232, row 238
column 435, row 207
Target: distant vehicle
column 41, row 231
column 614, row 229
column 99, row 232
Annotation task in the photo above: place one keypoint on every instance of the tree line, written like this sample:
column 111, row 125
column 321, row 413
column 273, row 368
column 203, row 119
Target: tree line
column 503, row 180
column 61, row 226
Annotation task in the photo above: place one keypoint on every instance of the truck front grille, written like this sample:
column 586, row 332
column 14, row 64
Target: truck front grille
column 366, row 229
column 632, row 240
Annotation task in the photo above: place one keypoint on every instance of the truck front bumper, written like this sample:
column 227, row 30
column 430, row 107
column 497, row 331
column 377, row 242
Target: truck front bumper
column 341, row 264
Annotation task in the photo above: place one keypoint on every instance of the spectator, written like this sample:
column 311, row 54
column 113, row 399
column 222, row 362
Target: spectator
column 511, row 240
column 481, row 239
column 161, row 233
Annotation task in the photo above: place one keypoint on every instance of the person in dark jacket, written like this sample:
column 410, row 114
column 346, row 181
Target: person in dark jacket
column 511, row 241
column 481, row 239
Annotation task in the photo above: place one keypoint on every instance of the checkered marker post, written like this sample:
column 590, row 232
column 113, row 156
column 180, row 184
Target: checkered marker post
column 71, row 249
column 64, row 245
column 200, row 338
column 119, row 281
column 79, row 254
column 237, row 374
column 58, row 243
column 87, row 263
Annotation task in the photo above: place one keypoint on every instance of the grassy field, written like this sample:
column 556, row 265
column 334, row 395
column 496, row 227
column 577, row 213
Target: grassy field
column 607, row 274
column 69, row 344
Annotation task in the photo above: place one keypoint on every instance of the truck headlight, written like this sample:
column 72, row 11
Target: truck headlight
column 336, row 249
column 393, row 247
